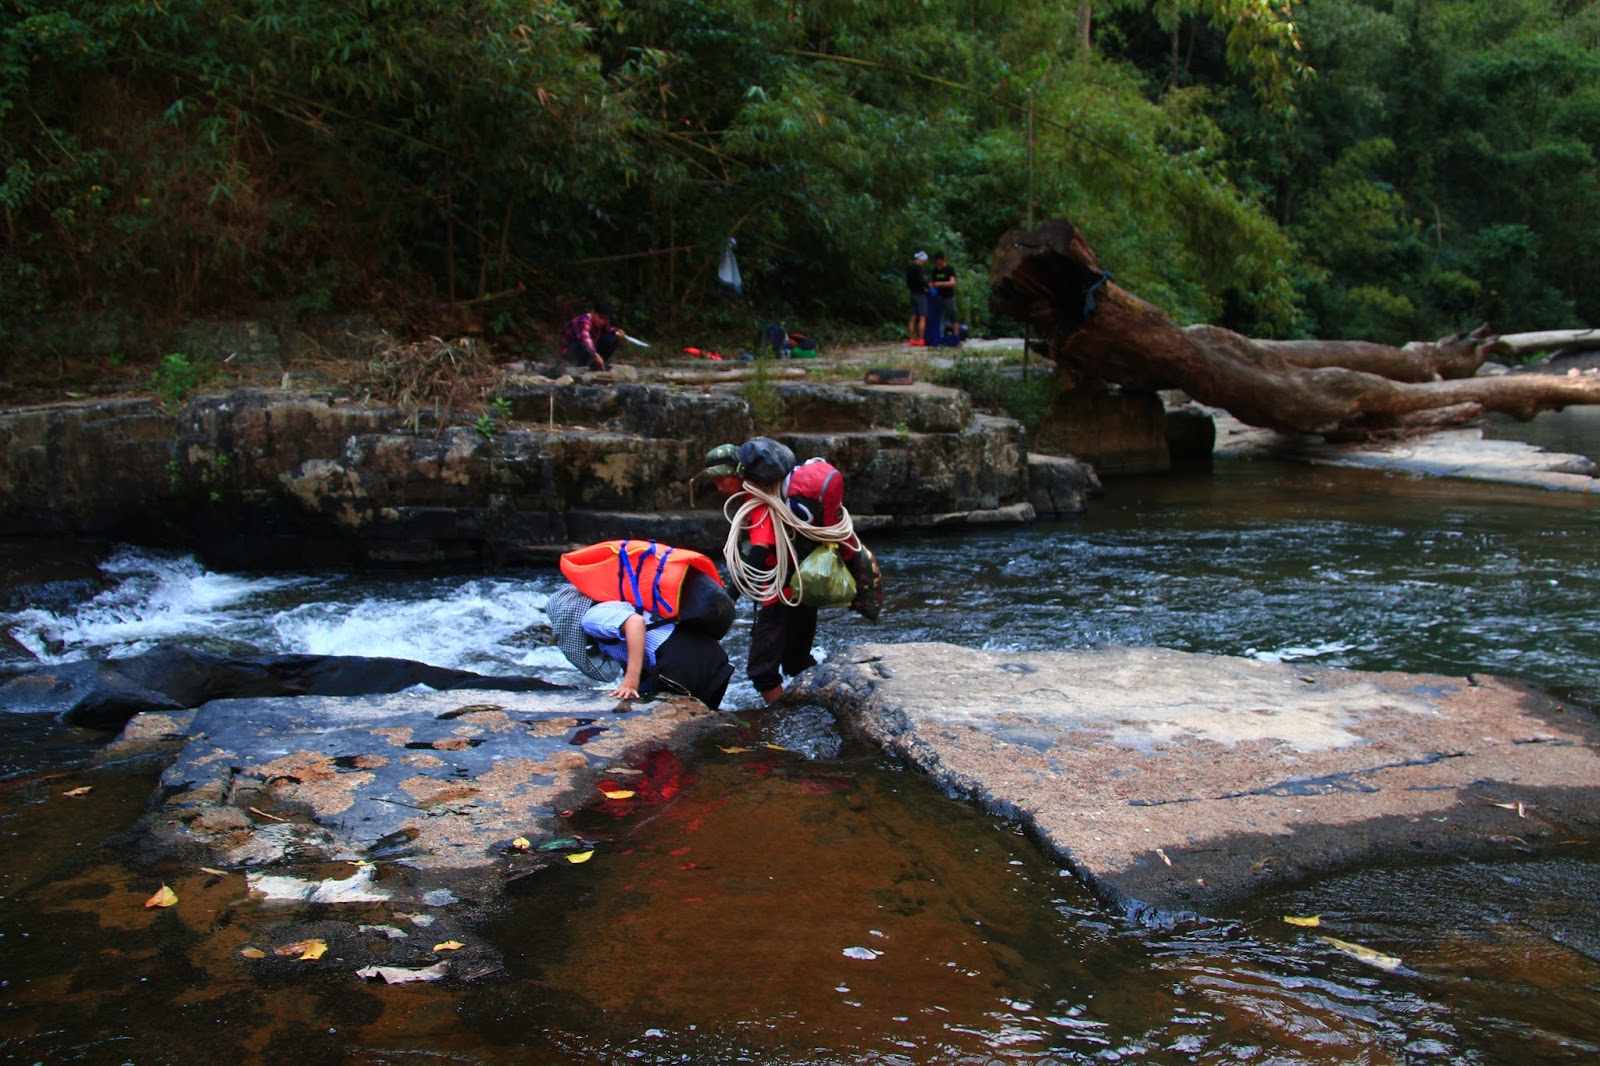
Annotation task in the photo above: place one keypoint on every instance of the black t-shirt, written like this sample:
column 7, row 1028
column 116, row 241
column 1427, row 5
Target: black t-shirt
column 916, row 280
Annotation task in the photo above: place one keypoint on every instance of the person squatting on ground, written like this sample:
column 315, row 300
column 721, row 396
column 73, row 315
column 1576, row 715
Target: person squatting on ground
column 590, row 340
column 917, row 287
column 782, row 513
column 675, row 649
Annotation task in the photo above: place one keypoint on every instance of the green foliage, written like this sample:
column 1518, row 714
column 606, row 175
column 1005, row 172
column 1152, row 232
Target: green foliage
column 488, row 423
column 1026, row 399
column 760, row 392
column 194, row 157
column 177, row 377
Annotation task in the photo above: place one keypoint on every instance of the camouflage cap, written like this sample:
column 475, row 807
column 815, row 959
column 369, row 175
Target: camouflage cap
column 722, row 461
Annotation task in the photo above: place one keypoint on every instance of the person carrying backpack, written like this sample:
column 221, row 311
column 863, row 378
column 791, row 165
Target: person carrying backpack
column 780, row 513
column 647, row 616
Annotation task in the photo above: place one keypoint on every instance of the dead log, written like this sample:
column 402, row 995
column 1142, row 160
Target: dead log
column 1049, row 277
column 1572, row 339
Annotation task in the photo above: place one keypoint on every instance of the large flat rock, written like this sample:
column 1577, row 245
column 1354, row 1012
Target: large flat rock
column 1176, row 784
column 440, row 781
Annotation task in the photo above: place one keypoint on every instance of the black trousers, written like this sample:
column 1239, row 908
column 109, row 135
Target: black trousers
column 605, row 344
column 780, row 643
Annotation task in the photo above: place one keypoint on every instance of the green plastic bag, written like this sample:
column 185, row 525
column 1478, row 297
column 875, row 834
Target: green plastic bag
column 823, row 580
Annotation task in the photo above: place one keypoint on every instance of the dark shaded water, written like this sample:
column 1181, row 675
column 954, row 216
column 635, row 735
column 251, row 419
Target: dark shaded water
column 760, row 905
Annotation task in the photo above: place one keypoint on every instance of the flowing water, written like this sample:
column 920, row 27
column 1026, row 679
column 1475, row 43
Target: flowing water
column 821, row 904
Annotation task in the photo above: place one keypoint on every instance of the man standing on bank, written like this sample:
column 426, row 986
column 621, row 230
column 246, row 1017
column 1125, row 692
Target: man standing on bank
column 917, row 287
column 943, row 281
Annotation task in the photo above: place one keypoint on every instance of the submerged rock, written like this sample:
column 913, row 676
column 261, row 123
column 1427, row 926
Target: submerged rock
column 107, row 693
column 1176, row 784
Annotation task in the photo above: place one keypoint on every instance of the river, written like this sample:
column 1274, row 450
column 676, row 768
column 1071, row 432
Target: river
column 817, row 903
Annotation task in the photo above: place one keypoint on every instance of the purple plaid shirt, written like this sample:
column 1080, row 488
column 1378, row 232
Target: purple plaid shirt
column 582, row 331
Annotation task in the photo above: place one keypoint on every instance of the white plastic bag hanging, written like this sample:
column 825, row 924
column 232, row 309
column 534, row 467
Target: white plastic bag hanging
column 728, row 269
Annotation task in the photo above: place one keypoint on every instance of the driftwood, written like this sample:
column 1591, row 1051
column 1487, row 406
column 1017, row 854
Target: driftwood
column 1348, row 390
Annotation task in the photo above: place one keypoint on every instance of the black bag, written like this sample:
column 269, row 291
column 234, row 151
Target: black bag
column 704, row 606
column 764, row 461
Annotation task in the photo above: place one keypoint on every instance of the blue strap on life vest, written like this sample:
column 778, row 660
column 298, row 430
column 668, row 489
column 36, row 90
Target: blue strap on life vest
column 631, row 573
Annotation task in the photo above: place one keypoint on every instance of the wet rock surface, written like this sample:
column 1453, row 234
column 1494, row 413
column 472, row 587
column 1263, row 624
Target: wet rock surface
column 1176, row 784
column 438, row 781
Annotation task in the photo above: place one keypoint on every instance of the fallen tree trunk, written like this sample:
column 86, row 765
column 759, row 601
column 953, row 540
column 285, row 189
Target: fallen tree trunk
column 1575, row 339
column 1341, row 389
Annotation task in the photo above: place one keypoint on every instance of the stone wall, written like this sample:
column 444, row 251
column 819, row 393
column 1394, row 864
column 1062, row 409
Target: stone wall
column 264, row 478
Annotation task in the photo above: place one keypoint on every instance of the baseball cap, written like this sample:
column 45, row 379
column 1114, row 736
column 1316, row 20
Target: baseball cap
column 921, row 257
column 722, row 461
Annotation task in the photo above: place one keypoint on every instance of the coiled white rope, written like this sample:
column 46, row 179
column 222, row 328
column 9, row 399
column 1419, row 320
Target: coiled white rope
column 763, row 583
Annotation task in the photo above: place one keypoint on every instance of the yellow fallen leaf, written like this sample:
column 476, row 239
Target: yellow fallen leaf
column 84, row 791
column 734, row 751
column 1308, row 923
column 619, row 794
column 358, row 863
column 213, row 871
column 315, row 949
column 1365, row 954
column 1163, row 856
column 522, row 843
column 449, row 945
column 580, row 856
column 774, row 747
column 165, row 897
column 253, row 953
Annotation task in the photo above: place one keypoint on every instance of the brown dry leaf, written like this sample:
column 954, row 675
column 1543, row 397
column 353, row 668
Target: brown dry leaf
column 449, row 945
column 84, row 791
column 253, row 953
column 580, row 856
column 213, row 871
column 164, row 897
column 1309, row 923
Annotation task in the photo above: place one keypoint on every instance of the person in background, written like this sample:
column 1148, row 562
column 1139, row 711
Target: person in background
column 589, row 340
column 917, row 287
column 942, row 280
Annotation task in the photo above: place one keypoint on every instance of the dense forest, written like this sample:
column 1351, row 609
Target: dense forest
column 1379, row 169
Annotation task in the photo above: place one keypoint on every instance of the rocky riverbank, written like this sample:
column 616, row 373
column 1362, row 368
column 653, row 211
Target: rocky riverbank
column 263, row 477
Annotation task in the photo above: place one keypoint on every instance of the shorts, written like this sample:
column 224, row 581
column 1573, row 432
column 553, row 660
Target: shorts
column 919, row 304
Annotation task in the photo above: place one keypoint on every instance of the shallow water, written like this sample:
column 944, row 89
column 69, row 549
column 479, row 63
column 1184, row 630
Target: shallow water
column 815, row 903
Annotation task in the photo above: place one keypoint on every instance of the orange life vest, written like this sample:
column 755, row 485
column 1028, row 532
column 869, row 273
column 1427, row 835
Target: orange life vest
column 645, row 573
